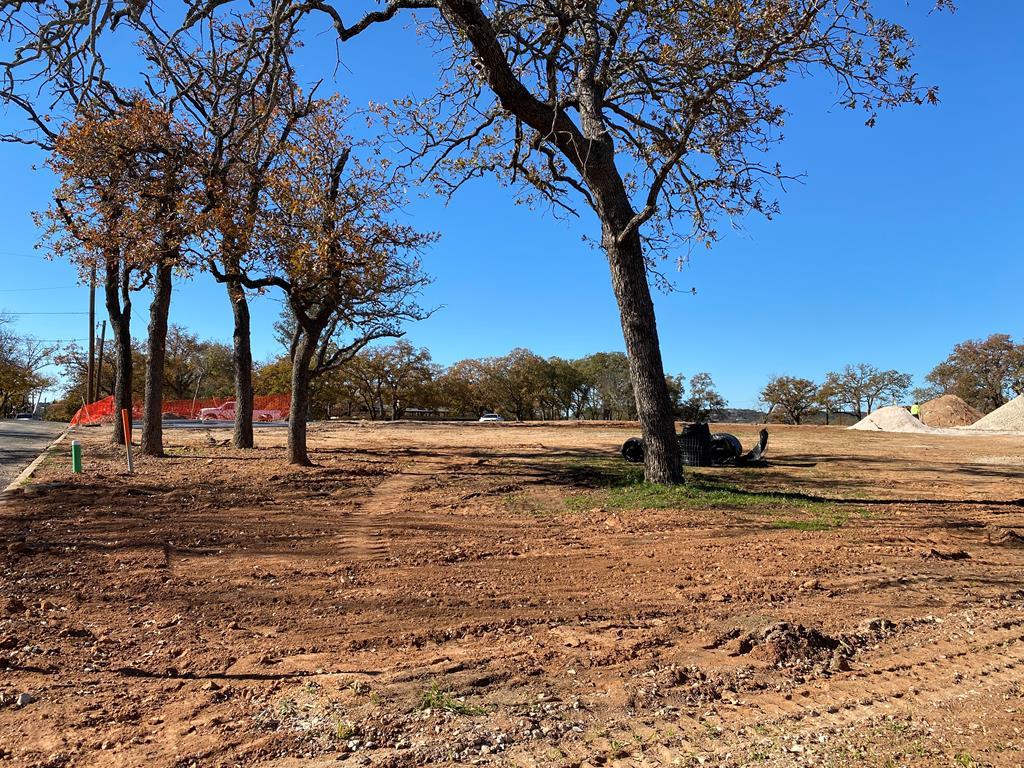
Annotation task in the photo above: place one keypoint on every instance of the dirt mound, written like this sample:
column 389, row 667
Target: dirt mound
column 948, row 411
column 1007, row 418
column 892, row 418
column 792, row 645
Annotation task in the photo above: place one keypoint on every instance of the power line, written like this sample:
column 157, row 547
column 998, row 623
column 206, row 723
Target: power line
column 23, row 255
column 5, row 312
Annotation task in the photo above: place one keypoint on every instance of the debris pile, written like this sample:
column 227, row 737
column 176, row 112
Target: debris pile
column 892, row 418
column 1007, row 418
column 784, row 645
column 948, row 411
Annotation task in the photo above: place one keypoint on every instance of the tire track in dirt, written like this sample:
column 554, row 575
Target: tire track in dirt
column 930, row 675
column 387, row 506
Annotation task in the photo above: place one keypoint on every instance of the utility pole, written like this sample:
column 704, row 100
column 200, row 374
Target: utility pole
column 99, row 363
column 92, row 388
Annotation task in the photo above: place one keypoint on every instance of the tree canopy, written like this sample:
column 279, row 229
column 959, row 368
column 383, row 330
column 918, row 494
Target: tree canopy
column 983, row 372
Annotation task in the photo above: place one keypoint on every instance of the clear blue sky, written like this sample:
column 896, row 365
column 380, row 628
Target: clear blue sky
column 901, row 241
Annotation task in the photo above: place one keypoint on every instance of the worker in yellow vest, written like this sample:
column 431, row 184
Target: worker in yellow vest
column 915, row 411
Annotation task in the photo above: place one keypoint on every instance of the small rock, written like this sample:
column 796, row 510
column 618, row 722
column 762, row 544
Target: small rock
column 875, row 624
column 841, row 664
column 811, row 584
column 939, row 554
column 24, row 699
column 14, row 605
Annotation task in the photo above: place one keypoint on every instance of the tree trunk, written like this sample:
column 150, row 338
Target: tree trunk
column 115, row 287
column 152, row 408
column 242, row 359
column 297, row 453
column 662, row 461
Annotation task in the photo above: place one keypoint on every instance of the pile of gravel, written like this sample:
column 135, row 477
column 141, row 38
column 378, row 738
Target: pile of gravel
column 892, row 418
column 1007, row 418
column 948, row 411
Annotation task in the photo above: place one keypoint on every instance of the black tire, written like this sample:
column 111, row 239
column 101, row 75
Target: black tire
column 725, row 448
column 633, row 450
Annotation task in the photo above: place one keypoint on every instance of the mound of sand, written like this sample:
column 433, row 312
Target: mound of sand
column 892, row 418
column 948, row 411
column 1007, row 418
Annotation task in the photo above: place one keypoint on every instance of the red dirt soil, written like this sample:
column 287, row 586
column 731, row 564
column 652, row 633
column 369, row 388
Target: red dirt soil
column 445, row 594
column 948, row 411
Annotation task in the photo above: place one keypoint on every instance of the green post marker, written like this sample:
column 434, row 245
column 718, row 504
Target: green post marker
column 76, row 457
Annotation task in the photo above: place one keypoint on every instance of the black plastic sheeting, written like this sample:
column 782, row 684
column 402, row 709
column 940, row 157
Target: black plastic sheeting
column 700, row 447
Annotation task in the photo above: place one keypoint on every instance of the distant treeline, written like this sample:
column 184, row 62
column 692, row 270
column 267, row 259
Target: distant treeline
column 985, row 373
column 401, row 381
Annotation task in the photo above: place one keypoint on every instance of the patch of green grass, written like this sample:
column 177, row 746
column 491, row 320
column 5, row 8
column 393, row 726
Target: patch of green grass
column 618, row 749
column 437, row 698
column 866, row 514
column 287, row 707
column 711, row 730
column 827, row 522
column 916, row 748
column 344, row 730
column 621, row 486
column 897, row 726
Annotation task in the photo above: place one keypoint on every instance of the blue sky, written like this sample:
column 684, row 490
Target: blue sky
column 901, row 240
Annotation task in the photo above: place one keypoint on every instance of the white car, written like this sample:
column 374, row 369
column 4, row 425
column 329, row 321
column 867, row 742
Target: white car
column 490, row 417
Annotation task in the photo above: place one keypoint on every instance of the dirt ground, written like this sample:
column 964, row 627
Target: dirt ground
column 508, row 595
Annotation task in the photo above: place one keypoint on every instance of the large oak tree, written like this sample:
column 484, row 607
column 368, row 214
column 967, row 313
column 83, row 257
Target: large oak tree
column 350, row 272
column 230, row 78
column 125, row 206
column 983, row 372
column 656, row 116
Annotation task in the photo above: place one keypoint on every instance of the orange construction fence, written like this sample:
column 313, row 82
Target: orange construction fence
column 265, row 408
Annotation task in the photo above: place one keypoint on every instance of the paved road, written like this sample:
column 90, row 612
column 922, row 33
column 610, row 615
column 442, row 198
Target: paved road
column 21, row 442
